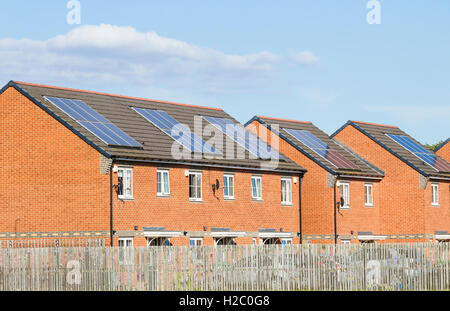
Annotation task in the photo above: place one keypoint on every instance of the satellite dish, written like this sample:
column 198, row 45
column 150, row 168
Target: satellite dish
column 217, row 184
column 342, row 201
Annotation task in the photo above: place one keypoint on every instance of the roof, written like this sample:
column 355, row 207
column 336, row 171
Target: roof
column 156, row 145
column 365, row 169
column 441, row 145
column 377, row 132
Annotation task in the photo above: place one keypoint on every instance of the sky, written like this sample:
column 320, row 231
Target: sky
column 318, row 61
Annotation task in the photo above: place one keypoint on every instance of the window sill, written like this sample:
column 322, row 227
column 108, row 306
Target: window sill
column 257, row 200
column 345, row 208
column 368, row 205
column 229, row 199
column 287, row 204
column 435, row 205
column 163, row 195
column 126, row 199
column 195, row 201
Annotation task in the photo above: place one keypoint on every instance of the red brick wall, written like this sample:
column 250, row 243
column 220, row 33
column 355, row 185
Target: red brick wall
column 178, row 213
column 444, row 152
column 318, row 199
column 52, row 181
column 405, row 208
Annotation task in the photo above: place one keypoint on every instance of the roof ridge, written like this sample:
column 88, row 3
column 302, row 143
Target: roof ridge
column 115, row 95
column 287, row 120
column 376, row 124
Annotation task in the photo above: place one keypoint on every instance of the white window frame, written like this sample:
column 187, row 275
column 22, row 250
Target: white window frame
column 435, row 194
column 345, row 194
column 228, row 176
column 201, row 182
column 125, row 170
column 126, row 255
column 162, row 192
column 286, row 195
column 256, row 178
column 366, row 194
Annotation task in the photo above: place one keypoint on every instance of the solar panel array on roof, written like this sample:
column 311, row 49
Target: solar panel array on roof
column 179, row 132
column 93, row 122
column 244, row 138
column 322, row 149
column 420, row 152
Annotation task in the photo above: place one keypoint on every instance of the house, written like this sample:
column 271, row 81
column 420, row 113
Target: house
column 443, row 150
column 415, row 189
column 335, row 173
column 138, row 172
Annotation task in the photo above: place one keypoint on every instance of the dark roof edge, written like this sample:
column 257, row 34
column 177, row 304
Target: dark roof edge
column 375, row 168
column 282, row 136
column 381, row 144
column 301, row 171
column 51, row 113
column 442, row 145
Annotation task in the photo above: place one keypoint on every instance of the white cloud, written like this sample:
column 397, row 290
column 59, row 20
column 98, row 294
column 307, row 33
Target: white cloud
column 115, row 54
column 304, row 58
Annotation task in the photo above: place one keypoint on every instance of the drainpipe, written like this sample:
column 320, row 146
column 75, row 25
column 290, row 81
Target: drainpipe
column 335, row 218
column 111, row 205
column 300, row 206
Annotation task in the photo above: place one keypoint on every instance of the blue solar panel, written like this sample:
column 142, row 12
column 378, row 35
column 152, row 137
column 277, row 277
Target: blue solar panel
column 322, row 149
column 420, row 152
column 180, row 133
column 244, row 138
column 93, row 122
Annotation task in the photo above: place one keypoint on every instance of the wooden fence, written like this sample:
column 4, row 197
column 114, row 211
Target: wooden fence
column 269, row 267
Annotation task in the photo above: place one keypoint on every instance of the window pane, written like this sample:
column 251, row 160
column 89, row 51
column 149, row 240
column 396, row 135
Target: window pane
column 158, row 182
column 225, row 186
column 166, row 182
column 231, row 186
column 254, row 188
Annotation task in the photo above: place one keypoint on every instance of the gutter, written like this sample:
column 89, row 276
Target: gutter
column 300, row 181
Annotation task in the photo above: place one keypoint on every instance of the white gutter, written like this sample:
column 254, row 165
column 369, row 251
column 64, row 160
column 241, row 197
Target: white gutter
column 442, row 236
column 227, row 234
column 277, row 234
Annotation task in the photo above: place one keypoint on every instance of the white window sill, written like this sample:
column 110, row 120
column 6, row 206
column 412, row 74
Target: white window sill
column 126, row 198
column 368, row 205
column 435, row 205
column 229, row 199
column 287, row 204
column 256, row 200
column 196, row 200
column 159, row 195
column 344, row 207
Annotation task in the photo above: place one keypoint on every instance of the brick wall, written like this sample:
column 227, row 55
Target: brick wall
column 444, row 152
column 405, row 207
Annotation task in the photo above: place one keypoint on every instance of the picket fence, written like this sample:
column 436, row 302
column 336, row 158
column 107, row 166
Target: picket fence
column 414, row 266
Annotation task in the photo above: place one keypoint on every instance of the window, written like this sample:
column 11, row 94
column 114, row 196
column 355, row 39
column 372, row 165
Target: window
column 126, row 251
column 196, row 252
column 345, row 241
column 256, row 188
column 368, row 194
column 195, row 186
column 125, row 183
column 286, row 241
column 228, row 186
column 286, row 191
column 345, row 193
column 435, row 194
column 162, row 183
column 158, row 242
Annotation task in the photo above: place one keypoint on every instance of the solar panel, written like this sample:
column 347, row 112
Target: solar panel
column 420, row 152
column 244, row 138
column 322, row 149
column 93, row 122
column 180, row 133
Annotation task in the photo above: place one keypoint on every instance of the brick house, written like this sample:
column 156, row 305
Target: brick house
column 443, row 150
column 85, row 164
column 334, row 172
column 414, row 203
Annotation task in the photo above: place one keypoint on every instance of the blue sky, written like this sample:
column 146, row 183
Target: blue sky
column 307, row 60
